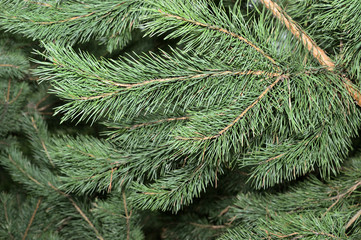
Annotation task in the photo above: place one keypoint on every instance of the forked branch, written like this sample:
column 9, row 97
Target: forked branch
column 311, row 45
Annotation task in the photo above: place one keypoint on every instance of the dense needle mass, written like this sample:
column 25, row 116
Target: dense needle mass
column 198, row 119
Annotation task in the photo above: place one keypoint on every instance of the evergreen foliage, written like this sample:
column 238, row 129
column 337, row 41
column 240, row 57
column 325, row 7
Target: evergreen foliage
column 239, row 121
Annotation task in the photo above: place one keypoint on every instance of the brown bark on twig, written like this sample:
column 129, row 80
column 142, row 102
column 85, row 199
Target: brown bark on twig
column 31, row 219
column 311, row 45
column 79, row 210
column 353, row 219
column 127, row 216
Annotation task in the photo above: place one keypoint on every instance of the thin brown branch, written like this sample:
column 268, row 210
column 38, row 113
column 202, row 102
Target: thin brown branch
column 107, row 211
column 171, row 79
column 6, row 212
column 353, row 219
column 352, row 90
column 203, row 75
column 79, row 210
column 282, row 236
column 220, row 133
column 4, row 143
column 298, row 32
column 17, row 96
column 325, row 234
column 127, row 216
column 311, row 46
column 221, row 30
column 43, row 108
column 46, row 152
column 23, row 171
column 224, row 211
column 7, row 219
column 32, row 219
column 156, row 122
column 216, row 175
column 42, row 100
column 9, row 65
column 160, row 80
column 98, row 96
column 84, row 153
column 340, row 196
column 150, row 193
column 111, row 179
column 65, row 20
column 208, row 226
column 273, row 158
column 42, row 142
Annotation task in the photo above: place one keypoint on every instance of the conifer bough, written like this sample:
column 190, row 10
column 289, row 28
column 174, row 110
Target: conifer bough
column 316, row 51
column 221, row 119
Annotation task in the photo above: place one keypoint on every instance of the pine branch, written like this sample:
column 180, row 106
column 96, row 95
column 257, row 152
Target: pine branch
column 306, row 40
column 24, row 172
column 222, row 30
column 220, row 133
column 73, row 21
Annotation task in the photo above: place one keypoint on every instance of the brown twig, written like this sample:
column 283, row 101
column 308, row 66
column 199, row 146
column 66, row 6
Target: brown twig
column 42, row 142
column 324, row 234
column 84, row 153
column 7, row 99
column 353, row 219
column 340, row 196
column 23, row 171
column 6, row 212
column 208, row 226
column 79, row 210
column 155, row 122
column 31, row 219
column 203, row 75
column 282, row 236
column 9, row 65
column 111, row 179
column 273, row 158
column 17, row 96
column 127, row 216
column 7, row 219
column 65, row 20
column 97, row 96
column 224, row 211
column 220, row 133
column 41, row 100
column 182, row 78
column 171, row 79
column 311, row 45
column 296, row 30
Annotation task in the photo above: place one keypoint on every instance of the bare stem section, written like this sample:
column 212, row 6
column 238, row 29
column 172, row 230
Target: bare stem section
column 311, row 45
